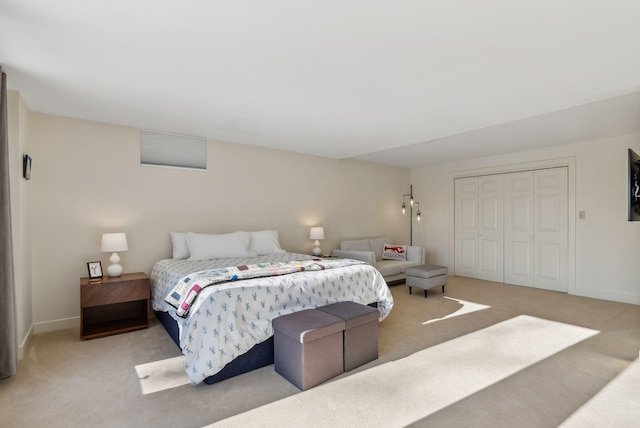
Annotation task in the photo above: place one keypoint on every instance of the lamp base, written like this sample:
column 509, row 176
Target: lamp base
column 114, row 268
column 316, row 248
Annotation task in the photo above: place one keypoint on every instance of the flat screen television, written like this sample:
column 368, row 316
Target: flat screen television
column 634, row 186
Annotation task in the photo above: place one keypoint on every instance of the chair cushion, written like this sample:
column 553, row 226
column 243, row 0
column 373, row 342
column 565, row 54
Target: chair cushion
column 393, row 267
column 357, row 245
column 376, row 245
column 426, row 271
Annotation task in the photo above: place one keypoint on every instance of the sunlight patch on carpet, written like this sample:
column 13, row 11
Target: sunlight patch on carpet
column 398, row 393
column 619, row 413
column 160, row 375
column 467, row 308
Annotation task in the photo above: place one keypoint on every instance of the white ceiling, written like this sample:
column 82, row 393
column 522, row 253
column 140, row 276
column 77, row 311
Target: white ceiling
column 406, row 83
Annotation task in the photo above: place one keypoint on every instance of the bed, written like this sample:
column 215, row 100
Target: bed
column 227, row 328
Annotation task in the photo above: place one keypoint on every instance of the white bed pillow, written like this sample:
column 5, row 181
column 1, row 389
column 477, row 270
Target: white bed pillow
column 226, row 246
column 265, row 242
column 179, row 243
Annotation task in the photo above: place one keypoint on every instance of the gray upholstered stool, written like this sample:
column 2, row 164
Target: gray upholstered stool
column 308, row 347
column 360, row 332
column 426, row 277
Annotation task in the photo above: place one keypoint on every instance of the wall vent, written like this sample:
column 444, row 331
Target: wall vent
column 158, row 148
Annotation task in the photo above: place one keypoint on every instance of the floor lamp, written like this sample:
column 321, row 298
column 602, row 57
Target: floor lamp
column 404, row 211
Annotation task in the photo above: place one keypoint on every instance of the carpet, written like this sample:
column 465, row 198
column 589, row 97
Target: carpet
column 401, row 392
column 465, row 308
column 607, row 403
column 161, row 375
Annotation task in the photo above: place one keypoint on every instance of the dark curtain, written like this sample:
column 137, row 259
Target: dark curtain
column 8, row 344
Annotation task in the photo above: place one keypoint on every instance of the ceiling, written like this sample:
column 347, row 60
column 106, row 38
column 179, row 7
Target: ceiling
column 405, row 83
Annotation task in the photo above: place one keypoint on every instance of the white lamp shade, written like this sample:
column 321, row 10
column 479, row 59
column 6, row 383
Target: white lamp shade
column 114, row 242
column 316, row 233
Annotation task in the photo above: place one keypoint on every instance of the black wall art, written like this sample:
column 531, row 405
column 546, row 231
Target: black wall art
column 26, row 167
column 634, row 186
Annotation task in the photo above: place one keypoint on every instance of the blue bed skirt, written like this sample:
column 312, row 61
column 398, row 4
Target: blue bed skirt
column 259, row 356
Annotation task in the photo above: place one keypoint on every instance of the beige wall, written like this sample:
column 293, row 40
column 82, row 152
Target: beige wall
column 87, row 180
column 19, row 145
column 606, row 246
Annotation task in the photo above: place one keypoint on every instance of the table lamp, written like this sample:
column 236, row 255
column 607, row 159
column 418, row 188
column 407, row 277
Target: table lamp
column 112, row 243
column 316, row 233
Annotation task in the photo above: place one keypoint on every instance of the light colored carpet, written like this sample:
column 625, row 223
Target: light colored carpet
column 617, row 405
column 66, row 382
column 430, row 379
column 465, row 308
column 161, row 375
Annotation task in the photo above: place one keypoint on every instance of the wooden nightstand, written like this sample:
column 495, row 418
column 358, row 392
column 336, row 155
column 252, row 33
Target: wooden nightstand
column 114, row 305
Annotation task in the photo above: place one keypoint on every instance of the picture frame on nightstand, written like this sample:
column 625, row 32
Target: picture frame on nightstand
column 95, row 270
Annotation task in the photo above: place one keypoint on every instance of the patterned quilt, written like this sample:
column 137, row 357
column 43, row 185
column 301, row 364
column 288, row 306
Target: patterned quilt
column 228, row 319
column 188, row 288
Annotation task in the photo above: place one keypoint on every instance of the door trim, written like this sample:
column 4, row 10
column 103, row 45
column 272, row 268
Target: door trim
column 569, row 162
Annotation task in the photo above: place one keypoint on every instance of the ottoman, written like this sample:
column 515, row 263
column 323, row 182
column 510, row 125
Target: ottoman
column 360, row 332
column 426, row 277
column 308, row 347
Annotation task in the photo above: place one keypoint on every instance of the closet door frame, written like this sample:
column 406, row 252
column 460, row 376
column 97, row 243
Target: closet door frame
column 569, row 162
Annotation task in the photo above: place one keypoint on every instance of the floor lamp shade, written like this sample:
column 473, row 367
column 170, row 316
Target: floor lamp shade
column 112, row 243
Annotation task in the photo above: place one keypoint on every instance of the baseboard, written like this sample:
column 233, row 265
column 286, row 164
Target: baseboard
column 55, row 325
column 605, row 295
column 26, row 342
column 45, row 327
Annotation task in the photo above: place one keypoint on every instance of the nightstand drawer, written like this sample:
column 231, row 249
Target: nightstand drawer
column 105, row 293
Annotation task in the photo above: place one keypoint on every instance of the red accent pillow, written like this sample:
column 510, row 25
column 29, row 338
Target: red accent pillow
column 394, row 252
